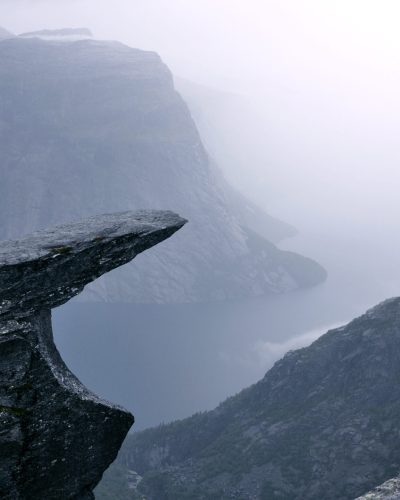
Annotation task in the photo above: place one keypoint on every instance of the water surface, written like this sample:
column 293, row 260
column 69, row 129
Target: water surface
column 165, row 362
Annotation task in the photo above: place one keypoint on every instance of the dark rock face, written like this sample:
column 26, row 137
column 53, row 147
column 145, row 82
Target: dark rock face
column 56, row 437
column 92, row 127
column 322, row 424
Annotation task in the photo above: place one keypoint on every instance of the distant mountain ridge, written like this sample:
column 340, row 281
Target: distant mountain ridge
column 91, row 127
column 321, row 424
column 71, row 34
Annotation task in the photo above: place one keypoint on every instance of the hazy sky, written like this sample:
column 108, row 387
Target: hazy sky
column 236, row 40
column 323, row 76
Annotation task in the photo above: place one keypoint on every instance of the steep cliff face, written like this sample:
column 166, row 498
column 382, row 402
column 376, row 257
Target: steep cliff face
column 321, row 424
column 90, row 127
column 56, row 437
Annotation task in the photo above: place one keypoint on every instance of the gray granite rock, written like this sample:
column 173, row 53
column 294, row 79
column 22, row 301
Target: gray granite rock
column 389, row 490
column 56, row 437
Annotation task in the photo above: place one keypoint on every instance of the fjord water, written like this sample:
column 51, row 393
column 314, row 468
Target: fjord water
column 165, row 362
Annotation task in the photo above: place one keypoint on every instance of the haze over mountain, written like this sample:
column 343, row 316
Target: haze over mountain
column 91, row 126
column 5, row 34
column 322, row 423
column 64, row 34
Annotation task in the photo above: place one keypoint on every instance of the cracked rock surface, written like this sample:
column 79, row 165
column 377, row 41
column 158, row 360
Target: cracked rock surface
column 56, row 437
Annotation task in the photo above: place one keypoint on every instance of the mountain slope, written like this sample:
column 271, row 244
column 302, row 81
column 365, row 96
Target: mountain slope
column 90, row 127
column 322, row 423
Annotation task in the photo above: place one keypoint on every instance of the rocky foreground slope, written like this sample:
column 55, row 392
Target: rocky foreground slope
column 389, row 490
column 322, row 424
column 56, row 437
column 92, row 126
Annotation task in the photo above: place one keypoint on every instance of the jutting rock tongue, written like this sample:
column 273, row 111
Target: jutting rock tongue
column 56, row 437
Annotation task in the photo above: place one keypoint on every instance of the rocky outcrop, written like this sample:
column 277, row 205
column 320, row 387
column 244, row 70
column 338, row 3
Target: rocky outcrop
column 92, row 127
column 389, row 490
column 56, row 437
column 322, row 424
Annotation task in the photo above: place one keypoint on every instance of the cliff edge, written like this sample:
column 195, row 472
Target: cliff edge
column 56, row 437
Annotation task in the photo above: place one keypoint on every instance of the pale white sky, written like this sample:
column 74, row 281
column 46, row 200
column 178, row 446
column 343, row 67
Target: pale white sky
column 230, row 37
column 220, row 40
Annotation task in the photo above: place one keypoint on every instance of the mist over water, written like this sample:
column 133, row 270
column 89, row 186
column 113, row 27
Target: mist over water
column 303, row 117
column 165, row 362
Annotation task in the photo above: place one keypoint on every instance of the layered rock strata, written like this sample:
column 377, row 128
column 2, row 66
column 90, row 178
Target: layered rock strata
column 56, row 437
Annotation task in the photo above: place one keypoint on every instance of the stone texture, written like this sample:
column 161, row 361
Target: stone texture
column 56, row 437
column 389, row 490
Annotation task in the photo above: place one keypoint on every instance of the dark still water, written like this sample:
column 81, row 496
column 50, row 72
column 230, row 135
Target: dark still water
column 165, row 362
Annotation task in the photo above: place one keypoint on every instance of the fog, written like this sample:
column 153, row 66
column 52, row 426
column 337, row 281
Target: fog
column 298, row 102
column 321, row 79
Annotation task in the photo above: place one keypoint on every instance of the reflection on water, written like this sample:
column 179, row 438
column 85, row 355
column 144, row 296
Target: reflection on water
column 165, row 362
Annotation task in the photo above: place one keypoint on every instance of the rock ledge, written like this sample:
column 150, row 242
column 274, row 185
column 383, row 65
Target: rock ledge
column 56, row 437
